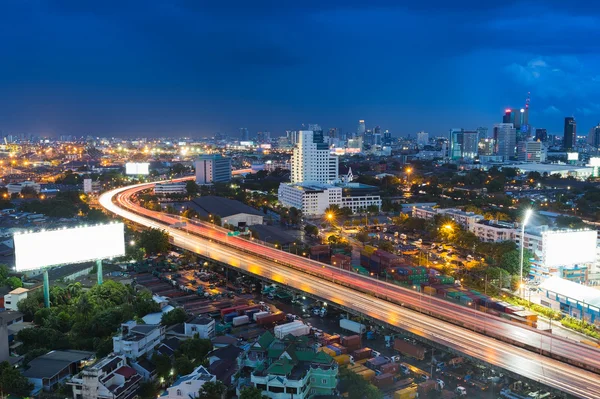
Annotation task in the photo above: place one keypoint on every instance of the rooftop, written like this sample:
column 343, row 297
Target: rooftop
column 52, row 363
column 18, row 291
column 201, row 321
column 212, row 205
column 572, row 290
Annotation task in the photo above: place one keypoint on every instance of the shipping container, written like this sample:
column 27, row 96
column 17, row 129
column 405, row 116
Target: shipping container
column 391, row 368
column 425, row 387
column 330, row 352
column 270, row 319
column 360, row 354
column 296, row 328
column 342, row 360
column 352, row 326
column 368, row 375
column 383, row 380
column 410, row 392
column 341, row 348
column 258, row 315
column 408, row 349
column 240, row 320
column 376, row 362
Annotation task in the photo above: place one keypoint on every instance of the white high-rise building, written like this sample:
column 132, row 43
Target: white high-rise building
column 532, row 151
column 360, row 131
column 312, row 161
column 505, row 136
column 422, row 139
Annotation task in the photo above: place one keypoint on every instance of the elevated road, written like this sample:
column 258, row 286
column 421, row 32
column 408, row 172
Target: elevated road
column 513, row 347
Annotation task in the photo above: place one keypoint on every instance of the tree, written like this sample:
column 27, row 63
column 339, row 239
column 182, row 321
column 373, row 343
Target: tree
column 163, row 365
column 154, row 241
column 212, row 390
column 311, row 230
column 251, row 393
column 148, row 390
column 96, row 215
column 183, row 365
column 195, row 349
column 14, row 282
column 362, row 236
column 13, row 382
column 175, row 316
column 511, row 262
column 386, row 246
column 4, row 270
column 192, row 188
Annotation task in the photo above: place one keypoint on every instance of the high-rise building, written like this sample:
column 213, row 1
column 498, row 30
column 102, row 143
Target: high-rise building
column 211, row 168
column 463, row 143
column 594, row 136
column 292, row 136
column 312, row 161
column 422, row 139
column 513, row 116
column 531, row 151
column 541, row 135
column 483, row 132
column 263, row 137
column 333, row 133
column 505, row 137
column 244, row 134
column 570, row 133
column 360, row 130
column 486, row 146
column 387, row 138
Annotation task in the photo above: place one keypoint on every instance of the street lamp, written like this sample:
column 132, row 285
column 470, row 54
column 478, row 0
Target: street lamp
column 528, row 213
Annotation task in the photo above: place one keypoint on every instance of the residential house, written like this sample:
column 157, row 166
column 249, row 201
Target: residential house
column 136, row 340
column 188, row 386
column 54, row 367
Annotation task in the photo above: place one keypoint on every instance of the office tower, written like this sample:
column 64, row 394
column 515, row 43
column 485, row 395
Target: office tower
column 505, row 137
column 570, row 133
column 470, row 144
column 514, row 116
column 377, row 130
column 483, row 132
column 315, row 127
column 360, row 131
column 593, row 138
column 213, row 168
column 486, row 146
column 376, row 138
column 312, row 161
column 333, row 133
column 244, row 134
column 387, row 138
column 531, row 151
column 292, row 136
column 541, row 135
column 422, row 139
column 456, row 140
column 368, row 137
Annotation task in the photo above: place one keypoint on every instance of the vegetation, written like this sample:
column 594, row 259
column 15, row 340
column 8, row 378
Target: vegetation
column 212, row 390
column 251, row 393
column 357, row 387
column 13, row 382
column 175, row 316
column 154, row 241
column 80, row 319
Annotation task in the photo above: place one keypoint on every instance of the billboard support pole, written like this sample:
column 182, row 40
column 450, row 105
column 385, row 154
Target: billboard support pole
column 99, row 269
column 46, row 289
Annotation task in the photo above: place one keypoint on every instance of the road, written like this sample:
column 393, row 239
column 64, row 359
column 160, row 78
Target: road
column 387, row 303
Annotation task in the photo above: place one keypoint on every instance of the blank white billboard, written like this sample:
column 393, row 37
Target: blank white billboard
column 137, row 168
column 594, row 161
column 563, row 248
column 572, row 156
column 67, row 246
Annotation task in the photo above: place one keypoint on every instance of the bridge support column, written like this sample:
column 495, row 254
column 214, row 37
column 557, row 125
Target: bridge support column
column 99, row 270
column 46, row 289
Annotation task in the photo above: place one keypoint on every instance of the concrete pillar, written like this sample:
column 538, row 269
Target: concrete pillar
column 46, row 289
column 99, row 270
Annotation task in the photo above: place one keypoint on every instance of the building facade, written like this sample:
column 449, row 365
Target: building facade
column 570, row 133
column 213, row 168
column 203, row 326
column 312, row 161
column 170, row 188
column 136, row 340
column 531, row 151
column 505, row 137
column 188, row 386
column 110, row 378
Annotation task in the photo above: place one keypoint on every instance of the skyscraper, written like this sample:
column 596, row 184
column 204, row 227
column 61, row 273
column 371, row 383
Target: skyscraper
column 505, row 136
column 456, row 139
column 312, row 161
column 387, row 138
column 594, row 136
column 541, row 135
column 360, row 131
column 513, row 116
column 483, row 132
column 244, row 135
column 422, row 139
column 570, row 133
column 212, row 168
column 463, row 143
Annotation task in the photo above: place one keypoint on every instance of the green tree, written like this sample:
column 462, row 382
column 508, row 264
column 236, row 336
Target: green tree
column 192, row 188
column 212, row 390
column 195, row 349
column 148, row 390
column 386, row 246
column 14, row 282
column 154, row 241
column 163, row 364
column 13, row 382
column 311, row 230
column 183, row 365
column 362, row 236
column 97, row 216
column 511, row 262
column 175, row 316
column 4, row 270
column 252, row 393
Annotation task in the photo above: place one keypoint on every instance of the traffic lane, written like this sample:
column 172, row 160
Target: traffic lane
column 535, row 367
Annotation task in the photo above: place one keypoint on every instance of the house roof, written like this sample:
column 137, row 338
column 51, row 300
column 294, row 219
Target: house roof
column 52, row 363
column 18, row 291
column 227, row 352
column 126, row 372
column 265, row 340
column 224, row 340
column 201, row 321
column 9, row 316
column 146, row 365
column 283, row 366
column 224, row 207
column 582, row 293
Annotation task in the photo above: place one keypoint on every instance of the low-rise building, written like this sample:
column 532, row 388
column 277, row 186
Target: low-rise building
column 188, row 386
column 46, row 371
column 16, row 188
column 465, row 219
column 136, row 340
column 170, row 188
column 12, row 299
column 572, row 299
column 288, row 368
column 110, row 378
column 230, row 211
column 494, row 231
column 203, row 326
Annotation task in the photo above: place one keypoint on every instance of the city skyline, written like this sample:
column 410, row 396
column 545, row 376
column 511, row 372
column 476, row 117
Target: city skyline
column 185, row 69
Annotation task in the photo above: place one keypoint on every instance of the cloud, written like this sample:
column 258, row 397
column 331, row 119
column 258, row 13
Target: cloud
column 551, row 110
column 592, row 109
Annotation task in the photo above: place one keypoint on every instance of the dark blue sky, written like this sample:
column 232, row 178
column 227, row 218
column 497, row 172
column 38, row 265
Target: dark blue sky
column 185, row 67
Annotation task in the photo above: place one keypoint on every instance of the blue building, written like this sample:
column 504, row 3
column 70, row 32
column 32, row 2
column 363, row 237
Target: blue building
column 572, row 299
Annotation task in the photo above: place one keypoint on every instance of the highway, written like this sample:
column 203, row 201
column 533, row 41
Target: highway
column 468, row 331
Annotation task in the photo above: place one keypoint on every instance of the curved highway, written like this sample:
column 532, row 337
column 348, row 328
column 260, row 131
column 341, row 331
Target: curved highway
column 527, row 353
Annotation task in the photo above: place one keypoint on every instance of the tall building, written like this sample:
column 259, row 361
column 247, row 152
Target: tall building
column 463, row 143
column 213, row 168
column 333, row 133
column 312, row 161
column 513, row 116
column 244, row 134
column 541, row 135
column 594, row 136
column 483, row 132
column 422, row 139
column 360, row 130
column 531, row 151
column 486, row 146
column 387, row 138
column 570, row 133
column 505, row 136
column 292, row 136
column 263, row 137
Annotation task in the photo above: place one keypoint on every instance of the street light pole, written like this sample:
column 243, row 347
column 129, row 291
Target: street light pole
column 528, row 213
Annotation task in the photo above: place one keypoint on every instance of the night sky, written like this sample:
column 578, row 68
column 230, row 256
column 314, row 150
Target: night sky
column 184, row 67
